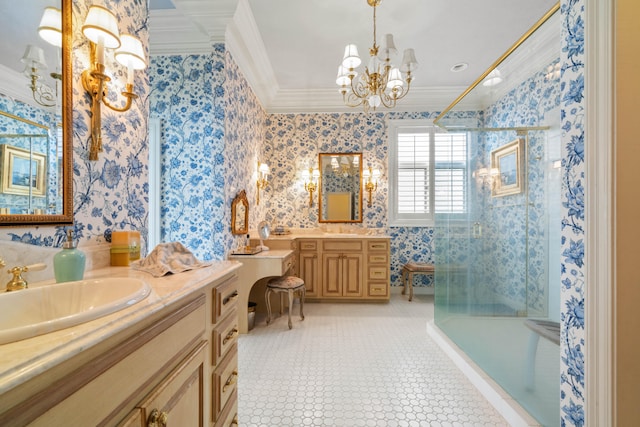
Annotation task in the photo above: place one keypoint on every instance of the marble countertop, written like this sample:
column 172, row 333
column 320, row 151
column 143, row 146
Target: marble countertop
column 314, row 234
column 271, row 253
column 23, row 360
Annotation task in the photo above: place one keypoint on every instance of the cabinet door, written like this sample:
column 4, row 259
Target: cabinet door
column 178, row 399
column 308, row 267
column 332, row 275
column 342, row 275
column 352, row 275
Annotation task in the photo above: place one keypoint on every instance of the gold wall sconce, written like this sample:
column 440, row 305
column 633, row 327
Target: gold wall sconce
column 263, row 179
column 101, row 28
column 370, row 177
column 486, row 176
column 50, row 30
column 310, row 178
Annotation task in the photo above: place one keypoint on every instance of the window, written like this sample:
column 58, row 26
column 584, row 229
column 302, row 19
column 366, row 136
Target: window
column 421, row 154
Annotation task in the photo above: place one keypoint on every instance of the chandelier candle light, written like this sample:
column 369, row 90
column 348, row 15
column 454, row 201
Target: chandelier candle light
column 381, row 83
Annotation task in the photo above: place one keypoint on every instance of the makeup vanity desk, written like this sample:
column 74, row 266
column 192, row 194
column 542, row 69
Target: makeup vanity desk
column 257, row 269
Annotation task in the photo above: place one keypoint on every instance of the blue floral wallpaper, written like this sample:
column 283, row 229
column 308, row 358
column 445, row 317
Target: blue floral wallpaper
column 572, row 333
column 188, row 97
column 244, row 141
column 110, row 193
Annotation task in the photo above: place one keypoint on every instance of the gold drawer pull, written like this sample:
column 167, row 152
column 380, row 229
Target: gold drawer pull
column 230, row 298
column 231, row 381
column 232, row 334
column 157, row 419
column 234, row 422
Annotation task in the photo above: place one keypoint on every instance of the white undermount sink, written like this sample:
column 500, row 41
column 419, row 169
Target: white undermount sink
column 40, row 310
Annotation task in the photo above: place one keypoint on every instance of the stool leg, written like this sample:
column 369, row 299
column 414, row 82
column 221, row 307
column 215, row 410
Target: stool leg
column 290, row 306
column 267, row 293
column 281, row 303
column 404, row 281
column 303, row 292
column 410, row 286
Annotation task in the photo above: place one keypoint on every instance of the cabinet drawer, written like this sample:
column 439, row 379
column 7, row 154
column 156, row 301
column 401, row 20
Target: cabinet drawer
column 225, row 299
column 229, row 415
column 308, row 245
column 378, row 273
column 333, row 245
column 378, row 245
column 224, row 381
column 378, row 289
column 225, row 335
column 378, row 259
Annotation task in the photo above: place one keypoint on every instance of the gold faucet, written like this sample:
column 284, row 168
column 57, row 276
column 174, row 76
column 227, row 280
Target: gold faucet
column 17, row 283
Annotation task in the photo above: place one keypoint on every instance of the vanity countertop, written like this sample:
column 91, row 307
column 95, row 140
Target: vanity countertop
column 23, row 360
column 312, row 234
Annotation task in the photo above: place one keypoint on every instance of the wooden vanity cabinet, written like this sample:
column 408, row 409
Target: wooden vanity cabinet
column 342, row 268
column 168, row 366
column 350, row 268
column 309, row 266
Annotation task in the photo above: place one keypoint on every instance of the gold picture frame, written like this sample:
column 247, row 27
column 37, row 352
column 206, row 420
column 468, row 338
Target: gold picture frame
column 240, row 214
column 23, row 172
column 509, row 161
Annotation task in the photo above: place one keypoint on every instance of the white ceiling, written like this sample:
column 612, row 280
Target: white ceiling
column 289, row 50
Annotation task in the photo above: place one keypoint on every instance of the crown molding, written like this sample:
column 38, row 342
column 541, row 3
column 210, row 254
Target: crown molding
column 16, row 85
column 330, row 101
column 192, row 27
column 244, row 43
column 537, row 52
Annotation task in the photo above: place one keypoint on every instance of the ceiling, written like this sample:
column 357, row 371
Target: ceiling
column 289, row 50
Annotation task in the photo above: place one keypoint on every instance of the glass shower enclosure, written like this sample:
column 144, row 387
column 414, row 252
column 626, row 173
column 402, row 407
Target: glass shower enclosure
column 498, row 269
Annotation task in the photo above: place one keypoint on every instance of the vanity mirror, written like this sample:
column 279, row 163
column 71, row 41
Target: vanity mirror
column 35, row 113
column 340, row 184
column 240, row 214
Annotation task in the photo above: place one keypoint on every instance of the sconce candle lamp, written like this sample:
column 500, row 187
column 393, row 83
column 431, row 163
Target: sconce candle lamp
column 486, row 176
column 370, row 177
column 101, row 28
column 263, row 181
column 310, row 178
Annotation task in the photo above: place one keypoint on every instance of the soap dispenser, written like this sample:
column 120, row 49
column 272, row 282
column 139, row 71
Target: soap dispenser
column 68, row 264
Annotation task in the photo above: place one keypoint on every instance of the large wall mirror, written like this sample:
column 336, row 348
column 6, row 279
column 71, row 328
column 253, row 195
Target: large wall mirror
column 340, row 185
column 36, row 113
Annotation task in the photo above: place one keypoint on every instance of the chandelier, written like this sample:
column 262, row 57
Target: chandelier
column 381, row 83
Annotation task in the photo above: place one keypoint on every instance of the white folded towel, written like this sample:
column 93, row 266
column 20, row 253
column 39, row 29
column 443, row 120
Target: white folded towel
column 170, row 257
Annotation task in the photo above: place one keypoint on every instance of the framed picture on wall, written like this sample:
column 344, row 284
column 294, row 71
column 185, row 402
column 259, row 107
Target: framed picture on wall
column 23, row 172
column 509, row 160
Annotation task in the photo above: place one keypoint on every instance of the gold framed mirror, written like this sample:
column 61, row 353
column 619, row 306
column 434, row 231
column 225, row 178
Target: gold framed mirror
column 36, row 120
column 340, row 187
column 240, row 214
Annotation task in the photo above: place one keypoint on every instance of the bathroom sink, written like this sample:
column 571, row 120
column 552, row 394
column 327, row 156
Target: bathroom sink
column 40, row 310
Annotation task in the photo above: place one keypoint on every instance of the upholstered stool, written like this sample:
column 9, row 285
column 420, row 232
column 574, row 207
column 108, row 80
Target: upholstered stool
column 411, row 268
column 290, row 285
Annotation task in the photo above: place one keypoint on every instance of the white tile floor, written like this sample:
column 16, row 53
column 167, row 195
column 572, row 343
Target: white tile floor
column 355, row 365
